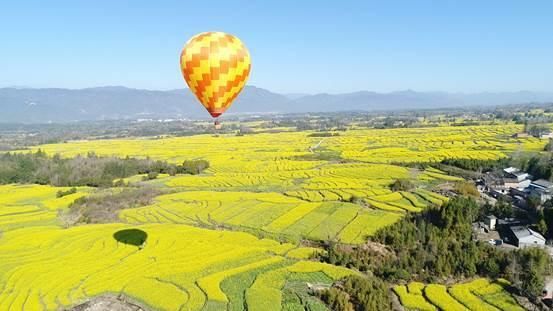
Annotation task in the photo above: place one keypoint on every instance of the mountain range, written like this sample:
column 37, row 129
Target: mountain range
column 32, row 105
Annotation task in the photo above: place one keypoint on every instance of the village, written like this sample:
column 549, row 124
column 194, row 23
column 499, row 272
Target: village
column 526, row 196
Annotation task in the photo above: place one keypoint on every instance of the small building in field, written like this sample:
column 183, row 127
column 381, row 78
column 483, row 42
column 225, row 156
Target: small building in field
column 491, row 222
column 546, row 135
column 521, row 135
column 526, row 237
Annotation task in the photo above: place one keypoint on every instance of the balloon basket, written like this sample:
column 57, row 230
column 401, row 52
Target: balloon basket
column 217, row 125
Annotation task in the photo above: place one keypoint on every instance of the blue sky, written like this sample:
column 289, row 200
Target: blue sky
column 296, row 46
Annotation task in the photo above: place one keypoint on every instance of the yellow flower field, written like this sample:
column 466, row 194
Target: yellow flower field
column 478, row 295
column 32, row 205
column 178, row 261
column 227, row 238
column 247, row 171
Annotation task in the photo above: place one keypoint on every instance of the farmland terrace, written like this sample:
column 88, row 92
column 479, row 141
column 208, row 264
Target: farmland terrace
column 270, row 192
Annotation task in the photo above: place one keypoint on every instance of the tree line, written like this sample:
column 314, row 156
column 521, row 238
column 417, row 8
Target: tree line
column 537, row 165
column 356, row 293
column 545, row 219
column 438, row 244
column 90, row 170
column 477, row 165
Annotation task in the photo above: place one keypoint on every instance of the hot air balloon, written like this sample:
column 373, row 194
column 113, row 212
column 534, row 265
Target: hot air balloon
column 216, row 66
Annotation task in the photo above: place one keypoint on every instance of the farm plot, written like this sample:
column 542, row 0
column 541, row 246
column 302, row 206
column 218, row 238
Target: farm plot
column 271, row 213
column 266, row 184
column 431, row 144
column 477, row 295
column 28, row 205
column 270, row 184
column 185, row 263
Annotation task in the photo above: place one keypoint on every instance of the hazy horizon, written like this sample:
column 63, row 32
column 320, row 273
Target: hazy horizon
column 293, row 94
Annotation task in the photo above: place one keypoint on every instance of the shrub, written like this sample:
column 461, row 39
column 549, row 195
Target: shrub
column 402, row 185
column 62, row 193
column 466, row 188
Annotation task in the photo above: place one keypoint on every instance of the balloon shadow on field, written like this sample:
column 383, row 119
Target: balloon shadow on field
column 134, row 237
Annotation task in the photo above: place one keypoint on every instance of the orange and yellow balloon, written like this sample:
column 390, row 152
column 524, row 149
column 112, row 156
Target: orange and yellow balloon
column 216, row 66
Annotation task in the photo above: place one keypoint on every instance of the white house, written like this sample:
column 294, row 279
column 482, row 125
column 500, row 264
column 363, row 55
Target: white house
column 491, row 221
column 542, row 188
column 514, row 183
column 520, row 176
column 526, row 237
column 546, row 135
column 542, row 184
column 515, row 179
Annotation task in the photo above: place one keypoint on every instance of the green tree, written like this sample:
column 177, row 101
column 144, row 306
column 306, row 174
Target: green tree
column 402, row 185
column 467, row 188
column 547, row 214
column 541, row 224
column 534, row 201
column 534, row 265
column 359, row 293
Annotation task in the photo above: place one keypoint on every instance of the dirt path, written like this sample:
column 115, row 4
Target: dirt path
column 108, row 303
column 312, row 148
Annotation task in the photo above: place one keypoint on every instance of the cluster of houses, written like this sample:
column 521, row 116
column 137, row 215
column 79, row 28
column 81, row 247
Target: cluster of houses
column 518, row 187
column 541, row 135
column 517, row 233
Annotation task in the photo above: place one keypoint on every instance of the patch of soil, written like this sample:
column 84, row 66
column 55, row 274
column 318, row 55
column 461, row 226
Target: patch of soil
column 104, row 206
column 377, row 248
column 108, row 303
column 528, row 305
column 396, row 304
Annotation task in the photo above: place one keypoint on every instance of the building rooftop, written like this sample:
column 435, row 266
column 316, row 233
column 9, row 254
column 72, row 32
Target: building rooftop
column 522, row 232
column 509, row 221
column 510, row 170
column 543, row 183
column 511, row 180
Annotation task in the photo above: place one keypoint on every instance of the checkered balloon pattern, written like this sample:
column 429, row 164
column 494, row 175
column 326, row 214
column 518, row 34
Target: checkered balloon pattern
column 216, row 66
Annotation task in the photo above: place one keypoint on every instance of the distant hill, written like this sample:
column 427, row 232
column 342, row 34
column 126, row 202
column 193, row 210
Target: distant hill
column 113, row 102
column 371, row 101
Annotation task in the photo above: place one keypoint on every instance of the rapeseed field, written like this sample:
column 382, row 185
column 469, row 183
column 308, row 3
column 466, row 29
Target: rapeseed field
column 479, row 294
column 229, row 237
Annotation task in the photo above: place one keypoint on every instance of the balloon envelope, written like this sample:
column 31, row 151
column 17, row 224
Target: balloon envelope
column 216, row 66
